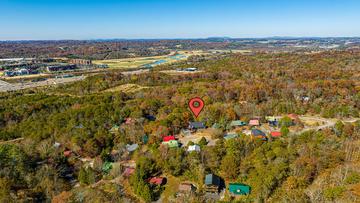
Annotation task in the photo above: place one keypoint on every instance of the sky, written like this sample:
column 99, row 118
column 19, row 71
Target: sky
column 134, row 19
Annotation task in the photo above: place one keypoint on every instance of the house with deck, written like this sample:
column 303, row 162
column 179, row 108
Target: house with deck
column 212, row 183
column 193, row 126
column 256, row 133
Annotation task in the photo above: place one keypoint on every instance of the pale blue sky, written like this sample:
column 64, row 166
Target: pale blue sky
column 91, row 19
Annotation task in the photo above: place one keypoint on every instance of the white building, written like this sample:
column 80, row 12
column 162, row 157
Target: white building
column 194, row 148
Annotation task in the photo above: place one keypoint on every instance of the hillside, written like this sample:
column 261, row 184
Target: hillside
column 77, row 137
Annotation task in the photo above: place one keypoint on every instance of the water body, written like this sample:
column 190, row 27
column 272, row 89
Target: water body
column 162, row 61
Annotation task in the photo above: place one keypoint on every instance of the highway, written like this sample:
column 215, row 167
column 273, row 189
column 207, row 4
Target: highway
column 5, row 86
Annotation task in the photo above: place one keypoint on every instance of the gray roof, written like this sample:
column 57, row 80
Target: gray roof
column 197, row 125
column 132, row 147
column 211, row 179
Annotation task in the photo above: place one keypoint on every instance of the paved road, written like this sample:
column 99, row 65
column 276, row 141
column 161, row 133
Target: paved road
column 5, row 87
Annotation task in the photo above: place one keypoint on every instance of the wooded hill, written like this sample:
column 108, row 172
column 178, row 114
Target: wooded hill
column 311, row 167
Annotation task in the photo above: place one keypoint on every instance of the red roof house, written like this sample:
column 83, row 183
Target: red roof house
column 156, row 180
column 275, row 134
column 168, row 138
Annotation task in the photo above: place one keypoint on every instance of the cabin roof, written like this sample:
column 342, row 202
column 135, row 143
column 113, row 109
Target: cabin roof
column 211, row 179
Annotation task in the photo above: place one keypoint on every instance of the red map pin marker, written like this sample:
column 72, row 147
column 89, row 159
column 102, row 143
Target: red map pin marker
column 196, row 105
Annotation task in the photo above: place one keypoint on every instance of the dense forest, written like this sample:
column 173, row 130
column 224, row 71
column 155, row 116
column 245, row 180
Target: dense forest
column 90, row 123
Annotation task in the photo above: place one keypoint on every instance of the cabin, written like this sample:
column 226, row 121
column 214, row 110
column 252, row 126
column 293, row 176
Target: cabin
column 186, row 188
column 171, row 143
column 156, row 181
column 275, row 134
column 168, row 138
column 237, row 123
column 212, row 183
column 132, row 147
column 239, row 189
column 196, row 125
column 67, row 153
column 57, row 145
column 129, row 121
column 185, row 132
column 128, row 172
column 272, row 120
column 229, row 136
column 114, row 129
column 256, row 133
column 294, row 118
column 254, row 122
column 216, row 126
column 194, row 148
column 150, row 117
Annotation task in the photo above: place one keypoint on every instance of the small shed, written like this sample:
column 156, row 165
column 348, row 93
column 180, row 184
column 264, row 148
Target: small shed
column 107, row 166
column 145, row 139
column 114, row 129
column 239, row 189
column 57, row 145
column 194, row 148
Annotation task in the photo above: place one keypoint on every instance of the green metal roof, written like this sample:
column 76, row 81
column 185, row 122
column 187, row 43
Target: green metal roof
column 107, row 166
column 239, row 189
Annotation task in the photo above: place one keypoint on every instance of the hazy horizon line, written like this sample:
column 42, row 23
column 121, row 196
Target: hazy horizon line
column 179, row 38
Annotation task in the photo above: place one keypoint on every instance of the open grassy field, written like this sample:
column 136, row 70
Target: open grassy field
column 128, row 88
column 130, row 63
